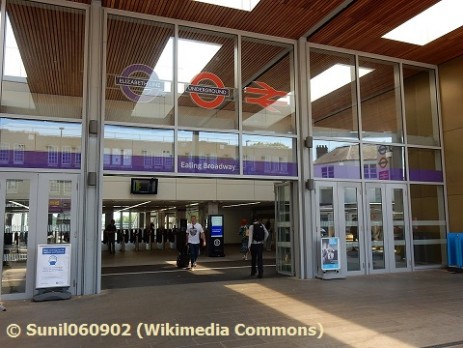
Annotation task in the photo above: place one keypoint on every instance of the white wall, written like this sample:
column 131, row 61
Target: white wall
column 188, row 189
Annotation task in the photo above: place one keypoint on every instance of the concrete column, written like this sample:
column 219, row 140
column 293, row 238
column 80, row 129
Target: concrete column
column 89, row 240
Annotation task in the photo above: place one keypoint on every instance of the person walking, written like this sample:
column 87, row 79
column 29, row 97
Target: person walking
column 258, row 234
column 195, row 233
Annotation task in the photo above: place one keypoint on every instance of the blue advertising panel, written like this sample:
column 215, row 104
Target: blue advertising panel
column 330, row 254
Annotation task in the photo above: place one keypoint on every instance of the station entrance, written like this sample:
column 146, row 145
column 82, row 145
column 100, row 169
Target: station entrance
column 148, row 229
column 372, row 222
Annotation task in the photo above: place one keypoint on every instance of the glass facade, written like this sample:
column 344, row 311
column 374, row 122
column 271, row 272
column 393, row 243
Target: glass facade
column 186, row 90
column 183, row 101
column 360, row 108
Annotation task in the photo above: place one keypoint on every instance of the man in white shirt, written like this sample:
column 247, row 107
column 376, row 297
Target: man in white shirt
column 195, row 233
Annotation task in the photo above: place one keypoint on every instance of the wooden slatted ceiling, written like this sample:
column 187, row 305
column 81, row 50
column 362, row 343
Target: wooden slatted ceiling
column 45, row 38
column 283, row 18
column 361, row 26
column 52, row 62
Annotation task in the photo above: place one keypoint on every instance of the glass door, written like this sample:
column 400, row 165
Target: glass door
column 17, row 245
column 36, row 209
column 284, row 229
column 387, row 223
column 57, row 214
column 352, row 232
column 339, row 215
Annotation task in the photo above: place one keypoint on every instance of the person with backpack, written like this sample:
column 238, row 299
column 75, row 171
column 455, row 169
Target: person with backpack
column 258, row 234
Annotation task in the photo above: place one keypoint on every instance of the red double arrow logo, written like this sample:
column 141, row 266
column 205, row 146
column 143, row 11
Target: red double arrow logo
column 267, row 94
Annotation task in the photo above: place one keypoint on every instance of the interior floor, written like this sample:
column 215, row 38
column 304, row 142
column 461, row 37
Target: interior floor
column 132, row 268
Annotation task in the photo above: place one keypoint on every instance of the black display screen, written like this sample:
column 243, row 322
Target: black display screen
column 144, row 186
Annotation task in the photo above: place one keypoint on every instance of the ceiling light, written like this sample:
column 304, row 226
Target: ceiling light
column 133, row 206
column 436, row 21
column 332, row 79
column 245, row 5
column 239, row 205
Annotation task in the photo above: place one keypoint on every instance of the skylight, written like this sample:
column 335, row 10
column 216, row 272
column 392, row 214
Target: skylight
column 436, row 21
column 245, row 5
column 333, row 78
column 14, row 66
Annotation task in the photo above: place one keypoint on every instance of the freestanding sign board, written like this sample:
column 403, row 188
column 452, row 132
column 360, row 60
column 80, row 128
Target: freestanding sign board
column 330, row 254
column 53, row 273
column 216, row 232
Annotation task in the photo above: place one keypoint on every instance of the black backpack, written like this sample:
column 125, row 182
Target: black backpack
column 258, row 233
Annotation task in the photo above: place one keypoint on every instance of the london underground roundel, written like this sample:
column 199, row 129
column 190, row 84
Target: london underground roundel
column 197, row 90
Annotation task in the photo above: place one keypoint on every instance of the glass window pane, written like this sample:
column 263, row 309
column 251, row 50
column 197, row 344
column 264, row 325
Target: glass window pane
column 267, row 155
column 334, row 159
column 138, row 149
column 333, row 94
column 327, row 212
column 421, row 106
column 383, row 162
column 38, row 81
column 284, row 223
column 380, row 101
column 398, row 223
column 425, row 165
column 139, row 71
column 15, row 236
column 40, row 144
column 59, row 211
column 428, row 224
column 208, row 153
column 375, row 205
column 206, row 79
column 268, row 86
column 354, row 240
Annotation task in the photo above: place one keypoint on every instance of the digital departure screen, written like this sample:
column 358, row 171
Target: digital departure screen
column 144, row 186
column 216, row 226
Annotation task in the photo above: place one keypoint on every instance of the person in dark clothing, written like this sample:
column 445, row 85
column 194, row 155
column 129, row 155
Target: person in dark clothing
column 258, row 234
column 111, row 233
